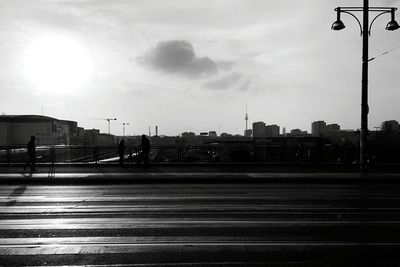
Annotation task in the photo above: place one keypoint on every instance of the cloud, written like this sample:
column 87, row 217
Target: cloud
column 178, row 57
column 226, row 82
column 225, row 65
column 246, row 85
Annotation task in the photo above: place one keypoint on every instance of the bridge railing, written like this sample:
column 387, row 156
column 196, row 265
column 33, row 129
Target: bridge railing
column 183, row 154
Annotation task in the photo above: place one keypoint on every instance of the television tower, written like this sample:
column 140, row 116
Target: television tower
column 246, row 118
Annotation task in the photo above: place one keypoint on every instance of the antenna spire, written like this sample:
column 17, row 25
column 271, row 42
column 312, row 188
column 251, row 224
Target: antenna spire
column 247, row 117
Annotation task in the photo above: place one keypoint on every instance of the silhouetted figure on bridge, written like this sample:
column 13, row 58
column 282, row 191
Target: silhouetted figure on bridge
column 121, row 152
column 31, row 146
column 144, row 150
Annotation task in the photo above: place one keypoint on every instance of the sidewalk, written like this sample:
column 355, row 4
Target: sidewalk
column 182, row 174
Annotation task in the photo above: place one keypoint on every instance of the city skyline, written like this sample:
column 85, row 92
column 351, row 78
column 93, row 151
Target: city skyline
column 271, row 130
column 193, row 67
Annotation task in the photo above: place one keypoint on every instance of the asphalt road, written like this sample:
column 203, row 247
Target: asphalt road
column 276, row 224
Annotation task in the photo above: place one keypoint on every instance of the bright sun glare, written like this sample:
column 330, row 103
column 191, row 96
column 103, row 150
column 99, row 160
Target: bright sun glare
column 57, row 64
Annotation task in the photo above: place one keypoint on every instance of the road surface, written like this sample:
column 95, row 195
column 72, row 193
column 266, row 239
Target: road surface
column 276, row 224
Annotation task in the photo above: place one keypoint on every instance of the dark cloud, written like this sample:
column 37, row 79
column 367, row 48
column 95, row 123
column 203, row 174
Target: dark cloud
column 225, row 65
column 245, row 85
column 178, row 57
column 226, row 82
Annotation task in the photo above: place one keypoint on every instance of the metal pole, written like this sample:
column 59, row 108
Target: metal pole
column 364, row 90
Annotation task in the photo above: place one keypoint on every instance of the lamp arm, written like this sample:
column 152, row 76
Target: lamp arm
column 351, row 14
column 380, row 14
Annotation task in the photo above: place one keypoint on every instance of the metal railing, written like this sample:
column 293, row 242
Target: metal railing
column 185, row 154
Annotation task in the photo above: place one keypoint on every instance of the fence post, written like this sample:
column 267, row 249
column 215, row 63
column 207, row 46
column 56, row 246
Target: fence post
column 95, row 154
column 52, row 155
column 264, row 153
column 261, row 153
column 8, row 155
column 131, row 156
column 180, row 154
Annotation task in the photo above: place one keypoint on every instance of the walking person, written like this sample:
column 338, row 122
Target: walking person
column 145, row 150
column 31, row 147
column 121, row 152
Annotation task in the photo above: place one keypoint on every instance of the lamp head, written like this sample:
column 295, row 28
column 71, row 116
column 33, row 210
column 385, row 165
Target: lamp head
column 338, row 25
column 392, row 25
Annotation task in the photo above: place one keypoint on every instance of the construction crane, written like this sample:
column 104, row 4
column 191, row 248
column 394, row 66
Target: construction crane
column 108, row 121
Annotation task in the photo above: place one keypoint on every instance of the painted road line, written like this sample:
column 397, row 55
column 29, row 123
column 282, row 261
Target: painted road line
column 193, row 225
column 132, row 240
column 123, row 198
column 196, row 175
column 182, row 247
column 175, row 208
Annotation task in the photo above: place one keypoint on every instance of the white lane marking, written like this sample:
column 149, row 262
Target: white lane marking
column 125, row 198
column 175, row 247
column 81, row 209
column 299, row 188
column 84, row 210
column 184, row 224
column 197, row 175
column 154, row 221
column 101, row 240
column 60, row 243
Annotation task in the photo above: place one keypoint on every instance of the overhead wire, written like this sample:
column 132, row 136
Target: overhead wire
column 384, row 53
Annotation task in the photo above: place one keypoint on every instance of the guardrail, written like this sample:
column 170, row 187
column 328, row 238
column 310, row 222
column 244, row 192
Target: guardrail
column 184, row 154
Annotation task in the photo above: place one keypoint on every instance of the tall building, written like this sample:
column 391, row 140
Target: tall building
column 272, row 130
column 259, row 129
column 188, row 135
column 390, row 126
column 248, row 133
column 212, row 134
column 318, row 128
column 17, row 129
column 298, row 132
column 332, row 127
column 93, row 137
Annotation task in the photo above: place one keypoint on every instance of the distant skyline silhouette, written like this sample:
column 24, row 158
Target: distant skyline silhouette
column 188, row 65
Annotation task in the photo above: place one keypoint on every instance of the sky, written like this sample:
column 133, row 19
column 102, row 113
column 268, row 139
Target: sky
column 188, row 65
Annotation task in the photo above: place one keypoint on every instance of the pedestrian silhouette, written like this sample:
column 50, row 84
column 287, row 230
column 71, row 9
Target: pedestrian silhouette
column 121, row 152
column 31, row 154
column 144, row 150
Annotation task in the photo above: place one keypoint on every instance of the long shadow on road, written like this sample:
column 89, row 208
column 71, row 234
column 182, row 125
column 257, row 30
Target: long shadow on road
column 15, row 194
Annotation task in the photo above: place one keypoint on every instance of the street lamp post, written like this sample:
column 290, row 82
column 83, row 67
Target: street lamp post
column 123, row 128
column 365, row 30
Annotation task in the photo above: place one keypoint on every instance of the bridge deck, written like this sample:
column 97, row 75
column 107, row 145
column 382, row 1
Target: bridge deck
column 201, row 223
